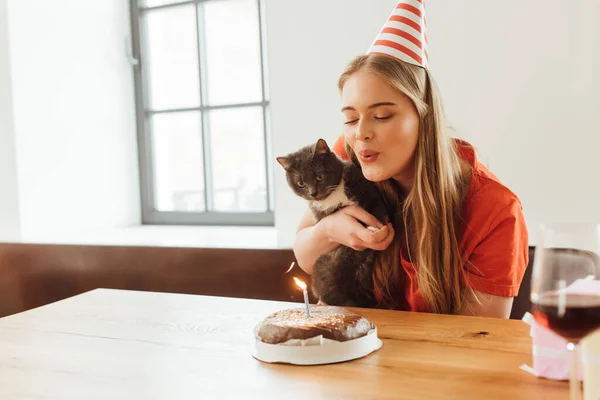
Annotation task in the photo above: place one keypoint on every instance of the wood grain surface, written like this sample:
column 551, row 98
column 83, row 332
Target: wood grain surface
column 113, row 344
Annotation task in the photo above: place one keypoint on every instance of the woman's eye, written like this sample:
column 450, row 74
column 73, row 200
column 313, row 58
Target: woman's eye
column 319, row 178
column 351, row 122
column 301, row 184
column 383, row 118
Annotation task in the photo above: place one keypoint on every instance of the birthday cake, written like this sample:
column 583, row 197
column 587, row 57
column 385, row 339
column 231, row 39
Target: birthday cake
column 330, row 334
column 333, row 323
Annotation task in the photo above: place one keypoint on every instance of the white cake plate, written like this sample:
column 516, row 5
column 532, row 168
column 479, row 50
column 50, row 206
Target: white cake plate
column 324, row 352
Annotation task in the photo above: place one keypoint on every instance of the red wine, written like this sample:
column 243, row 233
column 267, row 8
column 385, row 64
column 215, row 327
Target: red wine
column 573, row 320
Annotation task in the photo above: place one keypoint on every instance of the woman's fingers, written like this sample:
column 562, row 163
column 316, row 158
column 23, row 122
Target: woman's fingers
column 357, row 244
column 379, row 240
column 370, row 238
column 346, row 227
column 384, row 244
column 363, row 216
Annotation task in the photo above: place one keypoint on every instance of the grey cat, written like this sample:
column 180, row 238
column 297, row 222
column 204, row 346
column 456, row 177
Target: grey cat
column 344, row 276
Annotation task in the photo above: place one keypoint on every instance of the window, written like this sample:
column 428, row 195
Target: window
column 203, row 112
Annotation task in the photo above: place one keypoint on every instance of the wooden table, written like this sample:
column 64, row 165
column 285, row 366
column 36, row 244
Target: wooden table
column 109, row 344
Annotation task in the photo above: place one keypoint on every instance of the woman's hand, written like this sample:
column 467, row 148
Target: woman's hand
column 343, row 227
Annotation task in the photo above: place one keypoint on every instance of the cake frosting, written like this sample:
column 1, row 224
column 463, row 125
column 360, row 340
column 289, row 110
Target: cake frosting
column 330, row 322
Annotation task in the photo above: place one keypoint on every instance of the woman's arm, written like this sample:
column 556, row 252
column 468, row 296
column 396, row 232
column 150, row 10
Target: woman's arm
column 497, row 264
column 311, row 242
column 486, row 305
column 340, row 228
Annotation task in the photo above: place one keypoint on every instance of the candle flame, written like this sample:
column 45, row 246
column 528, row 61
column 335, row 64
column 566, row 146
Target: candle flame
column 300, row 284
column 291, row 266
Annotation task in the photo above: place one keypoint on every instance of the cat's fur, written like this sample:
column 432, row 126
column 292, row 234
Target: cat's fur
column 343, row 276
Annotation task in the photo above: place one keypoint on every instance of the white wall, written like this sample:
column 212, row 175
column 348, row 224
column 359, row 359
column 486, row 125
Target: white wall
column 9, row 202
column 517, row 79
column 74, row 116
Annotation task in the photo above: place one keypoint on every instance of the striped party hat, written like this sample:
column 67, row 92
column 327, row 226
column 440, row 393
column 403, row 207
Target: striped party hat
column 404, row 35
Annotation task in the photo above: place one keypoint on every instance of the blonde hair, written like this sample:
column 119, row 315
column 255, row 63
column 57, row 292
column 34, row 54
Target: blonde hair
column 428, row 216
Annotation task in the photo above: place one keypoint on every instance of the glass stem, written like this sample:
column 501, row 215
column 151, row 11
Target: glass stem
column 574, row 386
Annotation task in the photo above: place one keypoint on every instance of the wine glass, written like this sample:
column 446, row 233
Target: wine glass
column 566, row 254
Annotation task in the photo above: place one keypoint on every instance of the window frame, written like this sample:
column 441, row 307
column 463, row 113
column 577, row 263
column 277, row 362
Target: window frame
column 151, row 215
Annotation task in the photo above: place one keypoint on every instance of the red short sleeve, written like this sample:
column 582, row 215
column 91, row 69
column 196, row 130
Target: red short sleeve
column 339, row 148
column 498, row 262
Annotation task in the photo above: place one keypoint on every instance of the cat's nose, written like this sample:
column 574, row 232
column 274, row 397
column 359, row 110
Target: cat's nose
column 313, row 193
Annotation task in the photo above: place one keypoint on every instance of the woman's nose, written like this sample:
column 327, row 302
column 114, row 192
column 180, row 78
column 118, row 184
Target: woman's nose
column 364, row 131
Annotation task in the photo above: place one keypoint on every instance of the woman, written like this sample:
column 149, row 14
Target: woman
column 457, row 242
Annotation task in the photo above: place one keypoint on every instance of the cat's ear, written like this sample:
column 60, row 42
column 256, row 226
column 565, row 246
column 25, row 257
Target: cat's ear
column 321, row 147
column 285, row 162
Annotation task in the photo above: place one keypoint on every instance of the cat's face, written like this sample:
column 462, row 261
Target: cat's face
column 313, row 172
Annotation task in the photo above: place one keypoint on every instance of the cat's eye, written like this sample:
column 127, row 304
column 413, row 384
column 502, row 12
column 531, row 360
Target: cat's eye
column 319, row 178
column 300, row 184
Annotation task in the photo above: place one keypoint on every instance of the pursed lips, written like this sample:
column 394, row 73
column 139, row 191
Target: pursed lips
column 368, row 155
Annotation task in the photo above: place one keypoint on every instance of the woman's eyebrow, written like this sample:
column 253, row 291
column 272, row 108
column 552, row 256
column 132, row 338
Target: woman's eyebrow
column 383, row 103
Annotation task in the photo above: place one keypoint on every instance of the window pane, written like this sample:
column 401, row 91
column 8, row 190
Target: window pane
column 172, row 58
column 154, row 3
column 238, row 159
column 178, row 161
column 232, row 51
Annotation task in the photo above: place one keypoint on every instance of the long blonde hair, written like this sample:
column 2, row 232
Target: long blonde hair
column 428, row 216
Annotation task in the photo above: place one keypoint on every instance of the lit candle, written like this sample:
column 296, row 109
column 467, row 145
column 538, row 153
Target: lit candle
column 302, row 286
